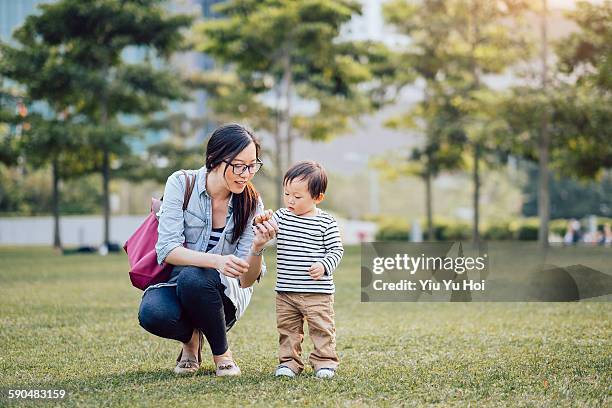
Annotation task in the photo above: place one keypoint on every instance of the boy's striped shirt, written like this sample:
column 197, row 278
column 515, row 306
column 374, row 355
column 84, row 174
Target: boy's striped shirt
column 302, row 241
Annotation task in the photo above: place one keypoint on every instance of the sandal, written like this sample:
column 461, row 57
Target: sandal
column 189, row 366
column 227, row 367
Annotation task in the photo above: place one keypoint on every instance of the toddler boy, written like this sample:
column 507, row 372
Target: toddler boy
column 309, row 249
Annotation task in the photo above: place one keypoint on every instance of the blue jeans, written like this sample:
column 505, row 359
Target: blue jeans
column 197, row 301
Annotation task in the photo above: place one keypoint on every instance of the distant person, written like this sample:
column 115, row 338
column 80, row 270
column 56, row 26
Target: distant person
column 606, row 236
column 309, row 250
column 216, row 252
column 573, row 234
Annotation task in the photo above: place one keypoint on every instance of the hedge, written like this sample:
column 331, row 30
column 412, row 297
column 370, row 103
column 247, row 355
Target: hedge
column 523, row 229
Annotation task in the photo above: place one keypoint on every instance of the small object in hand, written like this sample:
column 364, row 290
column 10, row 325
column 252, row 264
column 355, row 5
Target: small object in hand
column 266, row 216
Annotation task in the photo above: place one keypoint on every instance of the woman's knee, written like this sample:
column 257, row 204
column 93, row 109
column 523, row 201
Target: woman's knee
column 195, row 281
column 155, row 315
column 148, row 316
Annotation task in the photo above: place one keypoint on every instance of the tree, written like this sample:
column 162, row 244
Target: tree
column 45, row 137
column 289, row 50
column 442, row 147
column 488, row 42
column 587, row 54
column 580, row 123
column 565, row 123
column 426, row 25
column 87, row 40
column 453, row 44
column 544, row 136
column 9, row 103
column 174, row 152
column 586, row 108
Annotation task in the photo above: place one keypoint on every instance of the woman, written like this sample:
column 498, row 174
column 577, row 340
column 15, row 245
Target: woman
column 216, row 252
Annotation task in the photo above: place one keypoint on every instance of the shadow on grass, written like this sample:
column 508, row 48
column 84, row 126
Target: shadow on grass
column 132, row 380
column 139, row 377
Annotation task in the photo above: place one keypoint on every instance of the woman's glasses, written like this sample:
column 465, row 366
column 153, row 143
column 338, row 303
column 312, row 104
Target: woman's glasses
column 239, row 169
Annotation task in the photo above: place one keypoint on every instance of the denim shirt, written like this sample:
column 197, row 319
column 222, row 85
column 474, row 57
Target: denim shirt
column 193, row 227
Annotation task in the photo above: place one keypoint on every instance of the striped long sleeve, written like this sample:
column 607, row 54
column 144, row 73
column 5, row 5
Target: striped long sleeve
column 333, row 248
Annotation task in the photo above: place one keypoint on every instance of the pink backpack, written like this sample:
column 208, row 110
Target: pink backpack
column 140, row 247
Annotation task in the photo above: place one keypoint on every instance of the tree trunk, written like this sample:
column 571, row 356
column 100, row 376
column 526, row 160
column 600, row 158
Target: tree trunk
column 476, row 179
column 427, row 176
column 106, row 198
column 105, row 174
column 278, row 153
column 57, row 242
column 428, row 206
column 544, row 141
column 286, row 89
column 477, row 148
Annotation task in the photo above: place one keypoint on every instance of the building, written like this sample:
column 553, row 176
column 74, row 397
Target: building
column 13, row 13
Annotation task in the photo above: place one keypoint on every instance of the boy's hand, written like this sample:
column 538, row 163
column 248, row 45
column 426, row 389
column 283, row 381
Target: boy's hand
column 266, row 216
column 316, row 270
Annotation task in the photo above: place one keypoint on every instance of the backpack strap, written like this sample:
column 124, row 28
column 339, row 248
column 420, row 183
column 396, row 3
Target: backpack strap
column 189, row 184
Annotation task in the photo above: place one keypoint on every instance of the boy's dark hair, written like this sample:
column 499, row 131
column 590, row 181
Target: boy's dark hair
column 310, row 171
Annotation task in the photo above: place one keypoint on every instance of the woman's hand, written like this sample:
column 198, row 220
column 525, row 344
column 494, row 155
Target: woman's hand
column 265, row 229
column 231, row 266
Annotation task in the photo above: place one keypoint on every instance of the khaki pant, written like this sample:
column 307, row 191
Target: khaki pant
column 318, row 310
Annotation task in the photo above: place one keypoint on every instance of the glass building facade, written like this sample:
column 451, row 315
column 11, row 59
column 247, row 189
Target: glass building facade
column 13, row 13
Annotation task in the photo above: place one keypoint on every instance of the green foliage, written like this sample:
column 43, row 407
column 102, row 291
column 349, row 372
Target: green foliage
column 459, row 231
column 256, row 34
column 9, row 149
column 283, row 51
column 583, row 126
column 587, row 53
column 93, row 78
column 452, row 45
column 161, row 160
column 570, row 198
column 11, row 194
column 29, row 193
column 558, row 227
column 580, row 130
column 528, row 231
column 579, row 103
column 499, row 231
column 70, row 57
column 393, row 230
column 288, row 48
column 80, row 71
column 522, row 229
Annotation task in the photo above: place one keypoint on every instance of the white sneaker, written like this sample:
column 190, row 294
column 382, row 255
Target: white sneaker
column 284, row 371
column 325, row 373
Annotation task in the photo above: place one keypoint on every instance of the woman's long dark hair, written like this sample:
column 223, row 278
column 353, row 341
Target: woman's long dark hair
column 225, row 143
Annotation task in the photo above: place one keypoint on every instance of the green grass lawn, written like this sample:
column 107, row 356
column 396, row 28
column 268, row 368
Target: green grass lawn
column 70, row 322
